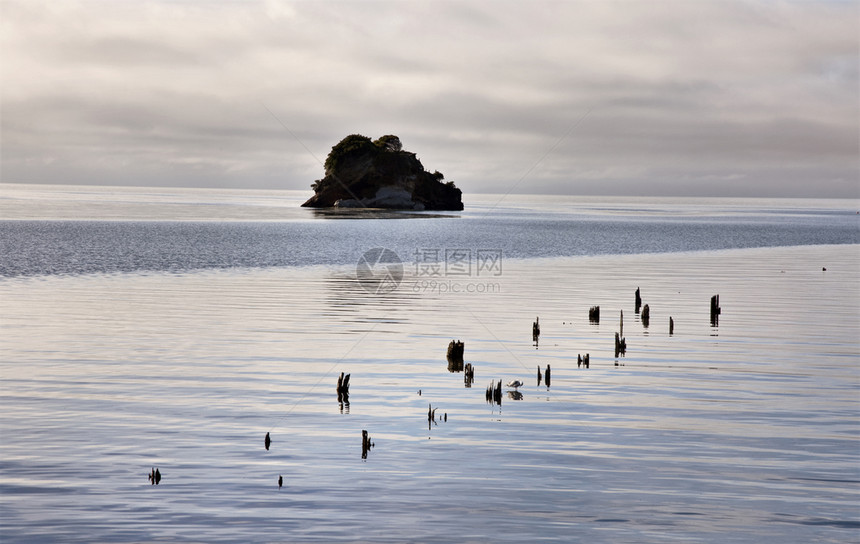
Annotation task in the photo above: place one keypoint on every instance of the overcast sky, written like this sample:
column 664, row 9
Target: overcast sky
column 675, row 97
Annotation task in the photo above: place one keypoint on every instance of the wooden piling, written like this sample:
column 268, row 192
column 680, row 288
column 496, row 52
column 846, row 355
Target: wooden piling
column 546, row 377
column 494, row 392
column 671, row 326
column 594, row 314
column 536, row 329
column 455, row 350
column 646, row 316
column 586, row 360
column 620, row 345
column 638, row 301
column 715, row 310
column 539, row 375
column 366, row 444
column 469, row 375
column 342, row 388
column 455, row 365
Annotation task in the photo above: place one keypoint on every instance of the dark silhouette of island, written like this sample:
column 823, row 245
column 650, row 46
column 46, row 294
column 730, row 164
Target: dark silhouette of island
column 362, row 173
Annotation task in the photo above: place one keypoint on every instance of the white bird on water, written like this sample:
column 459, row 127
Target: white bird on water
column 514, row 383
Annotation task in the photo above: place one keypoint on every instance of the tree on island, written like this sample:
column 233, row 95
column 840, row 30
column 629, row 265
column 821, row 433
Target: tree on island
column 389, row 142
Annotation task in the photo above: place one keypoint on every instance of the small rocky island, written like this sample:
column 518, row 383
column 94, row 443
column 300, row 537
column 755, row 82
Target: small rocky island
column 363, row 173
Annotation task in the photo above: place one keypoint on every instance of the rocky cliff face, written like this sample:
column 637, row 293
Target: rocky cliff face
column 361, row 173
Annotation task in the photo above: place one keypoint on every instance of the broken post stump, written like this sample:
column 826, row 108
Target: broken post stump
column 494, row 392
column 536, row 329
column 455, row 365
column 671, row 326
column 620, row 345
column 547, row 377
column 342, row 388
column 586, row 360
column 539, row 375
column 455, row 350
column 594, row 314
column 455, row 356
column 646, row 315
column 715, row 310
column 621, row 324
column 469, row 374
column 638, row 301
column 366, row 444
column 578, row 360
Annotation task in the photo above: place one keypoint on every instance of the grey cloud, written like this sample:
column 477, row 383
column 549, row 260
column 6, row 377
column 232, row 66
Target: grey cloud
column 685, row 97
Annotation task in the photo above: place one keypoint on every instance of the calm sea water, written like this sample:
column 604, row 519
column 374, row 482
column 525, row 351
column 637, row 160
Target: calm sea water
column 175, row 328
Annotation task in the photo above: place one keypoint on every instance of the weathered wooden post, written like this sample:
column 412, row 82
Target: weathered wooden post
column 455, row 365
column 494, row 392
column 715, row 310
column 546, row 377
column 536, row 330
column 366, row 444
column 638, row 301
column 646, row 316
column 621, row 324
column 469, row 374
column 671, row 326
column 455, row 356
column 267, row 441
column 620, row 345
column 342, row 388
column 540, row 376
column 594, row 314
column 578, row 360
column 455, row 350
column 586, row 360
